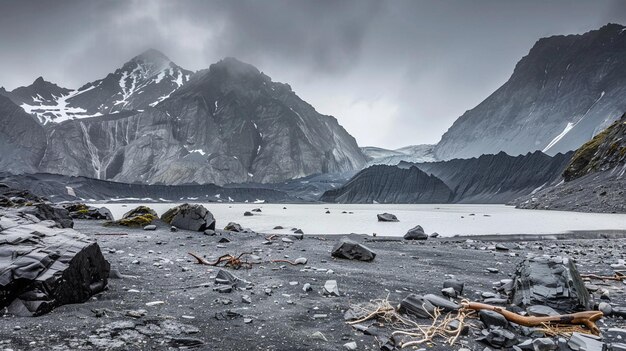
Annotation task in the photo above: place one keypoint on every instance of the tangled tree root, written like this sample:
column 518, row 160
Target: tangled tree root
column 441, row 330
column 227, row 260
column 438, row 331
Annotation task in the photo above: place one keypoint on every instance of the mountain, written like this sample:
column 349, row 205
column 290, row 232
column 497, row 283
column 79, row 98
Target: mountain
column 390, row 184
column 593, row 181
column 496, row 178
column 144, row 81
column 22, row 139
column 146, row 123
column 413, row 153
column 565, row 91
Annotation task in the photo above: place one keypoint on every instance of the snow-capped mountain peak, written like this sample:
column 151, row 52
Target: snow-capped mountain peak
column 145, row 80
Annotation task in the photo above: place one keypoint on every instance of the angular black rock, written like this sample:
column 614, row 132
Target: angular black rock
column 190, row 217
column 416, row 233
column 418, row 306
column 42, row 266
column 352, row 250
column 550, row 281
column 48, row 212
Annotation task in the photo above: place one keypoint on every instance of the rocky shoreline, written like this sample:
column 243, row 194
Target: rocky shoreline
column 159, row 298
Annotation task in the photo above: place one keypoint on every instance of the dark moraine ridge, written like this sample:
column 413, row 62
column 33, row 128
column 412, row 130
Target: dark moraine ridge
column 496, row 178
column 64, row 188
column 389, row 184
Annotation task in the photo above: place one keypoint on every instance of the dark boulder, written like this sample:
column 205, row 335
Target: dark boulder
column 550, row 281
column 416, row 233
column 455, row 284
column 248, row 214
column 387, row 217
column 42, row 266
column 352, row 250
column 233, row 227
column 48, row 212
column 492, row 319
column 138, row 217
column 82, row 211
column 190, row 217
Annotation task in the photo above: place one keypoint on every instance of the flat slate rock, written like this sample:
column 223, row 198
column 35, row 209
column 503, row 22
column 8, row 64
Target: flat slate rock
column 190, row 217
column 45, row 211
column 550, row 281
column 43, row 266
column 417, row 306
column 351, row 250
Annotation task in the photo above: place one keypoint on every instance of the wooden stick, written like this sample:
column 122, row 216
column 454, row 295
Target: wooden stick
column 284, row 261
column 618, row 277
column 586, row 318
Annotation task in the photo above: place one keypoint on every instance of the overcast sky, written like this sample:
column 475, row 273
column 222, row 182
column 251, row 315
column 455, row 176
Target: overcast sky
column 394, row 73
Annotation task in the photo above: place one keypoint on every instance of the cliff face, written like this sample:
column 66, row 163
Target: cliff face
column 22, row 139
column 593, row 181
column 605, row 151
column 496, row 178
column 565, row 91
column 389, row 184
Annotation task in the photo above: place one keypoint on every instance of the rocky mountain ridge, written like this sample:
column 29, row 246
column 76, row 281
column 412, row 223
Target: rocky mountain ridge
column 152, row 122
column 565, row 91
column 488, row 179
column 390, row 184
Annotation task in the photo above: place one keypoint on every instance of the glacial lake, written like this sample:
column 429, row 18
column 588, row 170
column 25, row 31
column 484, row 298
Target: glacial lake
column 447, row 220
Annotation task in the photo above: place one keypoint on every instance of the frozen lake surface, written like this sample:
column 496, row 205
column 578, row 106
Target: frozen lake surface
column 447, row 220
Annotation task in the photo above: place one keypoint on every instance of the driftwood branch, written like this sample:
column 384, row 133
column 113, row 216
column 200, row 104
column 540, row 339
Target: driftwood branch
column 586, row 318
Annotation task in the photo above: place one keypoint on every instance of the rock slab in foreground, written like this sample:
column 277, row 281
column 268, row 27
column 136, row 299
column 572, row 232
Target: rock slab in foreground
column 352, row 250
column 42, row 266
column 550, row 281
column 190, row 217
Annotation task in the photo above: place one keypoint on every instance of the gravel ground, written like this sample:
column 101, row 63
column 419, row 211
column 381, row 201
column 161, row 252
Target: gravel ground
column 163, row 300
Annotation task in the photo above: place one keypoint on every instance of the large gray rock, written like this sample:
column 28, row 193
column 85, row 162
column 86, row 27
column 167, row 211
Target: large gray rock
column 190, row 217
column 550, row 281
column 349, row 249
column 566, row 90
column 416, row 233
column 43, row 266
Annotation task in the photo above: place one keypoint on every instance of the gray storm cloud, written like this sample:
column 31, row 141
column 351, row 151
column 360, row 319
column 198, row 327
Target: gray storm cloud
column 394, row 73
